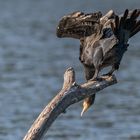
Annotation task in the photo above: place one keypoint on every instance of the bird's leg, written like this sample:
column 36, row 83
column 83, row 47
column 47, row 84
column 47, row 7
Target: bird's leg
column 114, row 67
column 89, row 72
column 110, row 72
column 95, row 74
column 97, row 61
column 95, row 77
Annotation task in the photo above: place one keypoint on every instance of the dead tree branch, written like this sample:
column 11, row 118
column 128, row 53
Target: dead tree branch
column 71, row 93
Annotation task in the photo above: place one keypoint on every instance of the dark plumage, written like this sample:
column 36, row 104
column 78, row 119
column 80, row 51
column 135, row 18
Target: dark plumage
column 103, row 43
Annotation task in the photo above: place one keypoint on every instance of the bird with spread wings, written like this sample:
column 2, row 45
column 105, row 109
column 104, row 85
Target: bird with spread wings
column 103, row 40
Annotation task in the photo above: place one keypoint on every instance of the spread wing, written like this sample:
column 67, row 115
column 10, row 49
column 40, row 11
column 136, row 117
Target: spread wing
column 107, row 44
column 78, row 25
column 119, row 30
column 126, row 26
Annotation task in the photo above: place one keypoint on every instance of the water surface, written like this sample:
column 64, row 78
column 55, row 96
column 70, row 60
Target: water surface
column 32, row 63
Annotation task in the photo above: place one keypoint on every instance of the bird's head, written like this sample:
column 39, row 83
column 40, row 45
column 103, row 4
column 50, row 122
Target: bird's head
column 78, row 25
column 86, row 104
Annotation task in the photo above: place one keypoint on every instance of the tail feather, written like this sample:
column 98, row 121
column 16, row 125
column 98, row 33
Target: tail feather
column 137, row 23
column 135, row 14
column 126, row 26
column 116, row 28
column 126, row 13
column 136, row 30
column 123, row 19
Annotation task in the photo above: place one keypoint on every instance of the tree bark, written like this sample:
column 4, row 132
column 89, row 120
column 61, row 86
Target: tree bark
column 71, row 93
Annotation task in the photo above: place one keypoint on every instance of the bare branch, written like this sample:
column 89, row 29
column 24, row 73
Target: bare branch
column 71, row 93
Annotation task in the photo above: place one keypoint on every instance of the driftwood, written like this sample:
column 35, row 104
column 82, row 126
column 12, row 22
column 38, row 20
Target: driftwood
column 71, row 93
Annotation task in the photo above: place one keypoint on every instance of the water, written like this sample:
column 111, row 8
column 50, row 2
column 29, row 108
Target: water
column 32, row 63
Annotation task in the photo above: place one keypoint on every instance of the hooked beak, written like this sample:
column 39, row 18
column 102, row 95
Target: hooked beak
column 85, row 107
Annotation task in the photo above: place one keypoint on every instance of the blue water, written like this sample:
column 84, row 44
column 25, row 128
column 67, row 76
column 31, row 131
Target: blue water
column 32, row 63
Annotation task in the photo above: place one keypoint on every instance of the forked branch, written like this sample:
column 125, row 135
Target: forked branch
column 71, row 93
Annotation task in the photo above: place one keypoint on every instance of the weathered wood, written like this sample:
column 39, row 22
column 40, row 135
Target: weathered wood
column 71, row 93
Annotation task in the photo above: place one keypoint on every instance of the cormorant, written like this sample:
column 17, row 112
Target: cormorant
column 103, row 40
